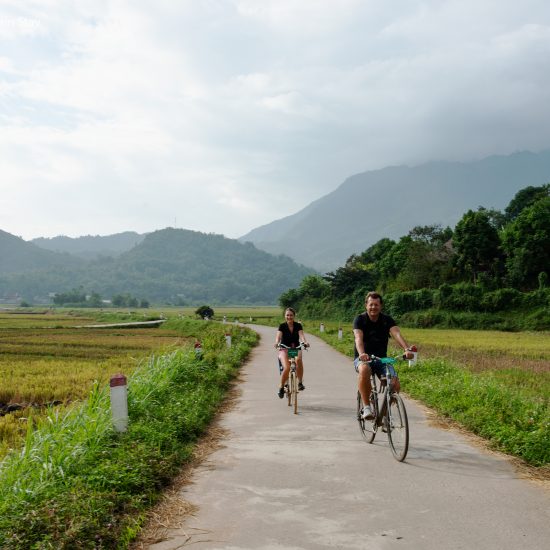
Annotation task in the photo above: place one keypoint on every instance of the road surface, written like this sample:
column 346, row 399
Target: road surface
column 308, row 481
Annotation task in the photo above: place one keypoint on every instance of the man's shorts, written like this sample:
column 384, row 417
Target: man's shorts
column 378, row 368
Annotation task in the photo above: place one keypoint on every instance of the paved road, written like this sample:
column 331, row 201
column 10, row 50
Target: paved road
column 310, row 482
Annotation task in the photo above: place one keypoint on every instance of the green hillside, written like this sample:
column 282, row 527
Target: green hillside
column 168, row 266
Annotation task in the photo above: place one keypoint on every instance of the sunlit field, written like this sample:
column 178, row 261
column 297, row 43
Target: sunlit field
column 46, row 360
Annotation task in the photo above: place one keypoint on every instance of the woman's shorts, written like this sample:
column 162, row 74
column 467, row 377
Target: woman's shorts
column 377, row 368
column 283, row 354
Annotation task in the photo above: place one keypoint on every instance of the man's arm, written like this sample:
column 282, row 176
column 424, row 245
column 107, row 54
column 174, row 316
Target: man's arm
column 395, row 332
column 358, row 334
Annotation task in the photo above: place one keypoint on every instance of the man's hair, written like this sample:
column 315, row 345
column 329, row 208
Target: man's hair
column 374, row 296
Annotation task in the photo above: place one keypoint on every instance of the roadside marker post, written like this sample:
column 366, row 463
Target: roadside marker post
column 198, row 349
column 119, row 402
column 228, row 340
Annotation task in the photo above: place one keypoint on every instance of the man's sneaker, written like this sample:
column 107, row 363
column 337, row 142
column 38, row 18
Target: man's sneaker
column 385, row 425
column 281, row 393
column 301, row 387
column 366, row 413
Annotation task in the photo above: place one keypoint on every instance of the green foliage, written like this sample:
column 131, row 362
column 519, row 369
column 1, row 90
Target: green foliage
column 127, row 300
column 205, row 312
column 477, row 243
column 525, row 198
column 526, row 240
column 75, row 296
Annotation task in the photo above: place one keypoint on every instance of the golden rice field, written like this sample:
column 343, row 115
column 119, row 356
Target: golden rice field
column 45, row 359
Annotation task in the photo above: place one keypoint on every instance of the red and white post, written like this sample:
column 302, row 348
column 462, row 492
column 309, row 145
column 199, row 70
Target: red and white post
column 119, row 402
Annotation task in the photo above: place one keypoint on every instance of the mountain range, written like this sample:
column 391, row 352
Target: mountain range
column 91, row 247
column 167, row 266
column 188, row 266
column 389, row 202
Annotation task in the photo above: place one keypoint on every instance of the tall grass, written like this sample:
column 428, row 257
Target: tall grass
column 78, row 484
column 514, row 418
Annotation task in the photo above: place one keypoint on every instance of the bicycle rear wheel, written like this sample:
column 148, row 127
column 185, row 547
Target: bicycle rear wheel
column 397, row 425
column 367, row 427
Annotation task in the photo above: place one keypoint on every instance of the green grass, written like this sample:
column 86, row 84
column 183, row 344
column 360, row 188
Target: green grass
column 78, row 484
column 512, row 415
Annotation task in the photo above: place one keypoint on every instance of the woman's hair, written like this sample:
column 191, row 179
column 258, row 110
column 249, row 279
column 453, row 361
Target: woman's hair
column 374, row 296
column 291, row 310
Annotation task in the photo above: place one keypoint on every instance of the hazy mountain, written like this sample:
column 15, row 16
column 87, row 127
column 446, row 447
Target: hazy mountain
column 92, row 246
column 170, row 265
column 391, row 201
column 17, row 255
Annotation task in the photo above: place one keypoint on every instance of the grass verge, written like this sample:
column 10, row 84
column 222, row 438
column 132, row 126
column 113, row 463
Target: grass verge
column 78, row 484
column 507, row 402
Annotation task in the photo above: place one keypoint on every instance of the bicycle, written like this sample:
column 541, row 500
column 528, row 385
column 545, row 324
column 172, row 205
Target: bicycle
column 388, row 409
column 291, row 387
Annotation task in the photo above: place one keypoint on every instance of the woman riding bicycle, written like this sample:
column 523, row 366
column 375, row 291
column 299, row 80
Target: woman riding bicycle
column 290, row 333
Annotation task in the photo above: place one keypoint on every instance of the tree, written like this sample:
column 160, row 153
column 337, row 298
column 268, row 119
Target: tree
column 477, row 244
column 429, row 257
column 74, row 296
column 290, row 298
column 526, row 242
column 353, row 277
column 525, row 198
column 94, row 300
column 205, row 312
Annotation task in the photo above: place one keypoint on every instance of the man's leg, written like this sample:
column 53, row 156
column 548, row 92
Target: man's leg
column 364, row 382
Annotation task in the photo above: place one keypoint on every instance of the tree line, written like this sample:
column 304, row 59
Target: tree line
column 492, row 261
column 77, row 297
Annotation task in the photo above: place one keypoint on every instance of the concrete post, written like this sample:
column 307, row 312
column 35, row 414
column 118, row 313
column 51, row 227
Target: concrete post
column 119, row 402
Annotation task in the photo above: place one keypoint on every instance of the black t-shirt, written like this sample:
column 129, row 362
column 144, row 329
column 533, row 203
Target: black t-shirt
column 291, row 339
column 375, row 334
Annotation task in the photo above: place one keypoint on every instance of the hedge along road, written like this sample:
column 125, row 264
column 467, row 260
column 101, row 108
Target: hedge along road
column 309, row 481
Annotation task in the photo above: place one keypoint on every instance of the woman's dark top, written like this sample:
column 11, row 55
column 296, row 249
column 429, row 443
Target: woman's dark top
column 291, row 339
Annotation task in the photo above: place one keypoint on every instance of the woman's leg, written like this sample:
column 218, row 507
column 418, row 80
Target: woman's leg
column 300, row 367
column 283, row 358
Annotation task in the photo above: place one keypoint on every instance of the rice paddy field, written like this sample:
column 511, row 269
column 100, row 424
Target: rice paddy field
column 51, row 358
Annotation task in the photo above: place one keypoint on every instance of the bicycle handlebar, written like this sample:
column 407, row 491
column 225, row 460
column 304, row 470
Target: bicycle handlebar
column 301, row 345
column 390, row 360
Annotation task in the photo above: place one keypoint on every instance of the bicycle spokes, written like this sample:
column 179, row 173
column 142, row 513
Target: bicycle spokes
column 397, row 427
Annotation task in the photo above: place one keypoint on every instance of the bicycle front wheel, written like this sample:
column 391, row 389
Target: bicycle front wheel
column 367, row 427
column 397, row 426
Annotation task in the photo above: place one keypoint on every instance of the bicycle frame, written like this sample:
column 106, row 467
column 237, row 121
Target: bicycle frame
column 389, row 411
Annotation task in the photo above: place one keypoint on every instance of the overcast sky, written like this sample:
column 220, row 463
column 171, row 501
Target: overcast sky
column 223, row 115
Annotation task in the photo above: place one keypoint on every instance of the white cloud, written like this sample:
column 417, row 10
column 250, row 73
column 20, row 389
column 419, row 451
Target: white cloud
column 136, row 114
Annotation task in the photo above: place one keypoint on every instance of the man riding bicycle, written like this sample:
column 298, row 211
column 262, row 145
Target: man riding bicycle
column 372, row 330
